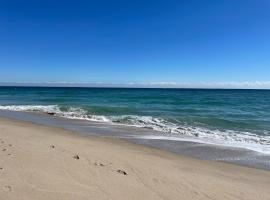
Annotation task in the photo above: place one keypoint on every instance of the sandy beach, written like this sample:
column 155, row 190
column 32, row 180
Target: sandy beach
column 39, row 162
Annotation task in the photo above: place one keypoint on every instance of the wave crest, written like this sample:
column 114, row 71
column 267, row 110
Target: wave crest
column 158, row 124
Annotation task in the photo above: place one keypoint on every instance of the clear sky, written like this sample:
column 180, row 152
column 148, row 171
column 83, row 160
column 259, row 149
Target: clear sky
column 135, row 41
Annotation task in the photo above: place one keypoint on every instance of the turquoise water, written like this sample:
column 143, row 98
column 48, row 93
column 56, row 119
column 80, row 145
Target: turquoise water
column 239, row 117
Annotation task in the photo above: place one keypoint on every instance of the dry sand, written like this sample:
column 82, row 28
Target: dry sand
column 38, row 162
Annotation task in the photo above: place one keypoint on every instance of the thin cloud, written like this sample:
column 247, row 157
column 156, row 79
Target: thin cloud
column 164, row 84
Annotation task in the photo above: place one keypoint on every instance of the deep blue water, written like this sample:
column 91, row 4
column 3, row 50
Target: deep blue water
column 241, row 116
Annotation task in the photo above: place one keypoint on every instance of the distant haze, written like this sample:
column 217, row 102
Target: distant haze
column 217, row 85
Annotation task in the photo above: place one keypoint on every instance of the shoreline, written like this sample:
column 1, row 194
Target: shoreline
column 167, row 130
column 40, row 162
column 146, row 137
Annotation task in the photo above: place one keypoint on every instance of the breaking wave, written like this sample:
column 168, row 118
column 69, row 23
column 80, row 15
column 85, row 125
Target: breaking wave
column 242, row 139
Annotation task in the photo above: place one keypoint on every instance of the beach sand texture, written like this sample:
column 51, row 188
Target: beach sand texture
column 38, row 162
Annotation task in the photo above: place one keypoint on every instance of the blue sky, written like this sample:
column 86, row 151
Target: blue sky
column 213, row 41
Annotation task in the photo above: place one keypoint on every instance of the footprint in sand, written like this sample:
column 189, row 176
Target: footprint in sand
column 99, row 164
column 7, row 188
column 52, row 146
column 122, row 172
column 4, row 149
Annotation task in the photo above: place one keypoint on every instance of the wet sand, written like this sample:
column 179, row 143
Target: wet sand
column 39, row 162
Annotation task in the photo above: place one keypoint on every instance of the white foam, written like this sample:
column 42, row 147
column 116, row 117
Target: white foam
column 33, row 108
column 264, row 149
column 233, row 138
column 199, row 134
column 70, row 113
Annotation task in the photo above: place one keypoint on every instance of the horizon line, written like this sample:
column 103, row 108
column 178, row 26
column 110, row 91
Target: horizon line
column 264, row 85
column 107, row 87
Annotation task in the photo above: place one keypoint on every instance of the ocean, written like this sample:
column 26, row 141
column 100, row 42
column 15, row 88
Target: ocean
column 236, row 118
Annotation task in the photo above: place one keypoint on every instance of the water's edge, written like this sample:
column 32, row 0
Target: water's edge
column 150, row 138
column 167, row 130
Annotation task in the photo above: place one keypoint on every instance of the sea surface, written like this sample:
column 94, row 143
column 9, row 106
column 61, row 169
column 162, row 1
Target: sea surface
column 232, row 118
